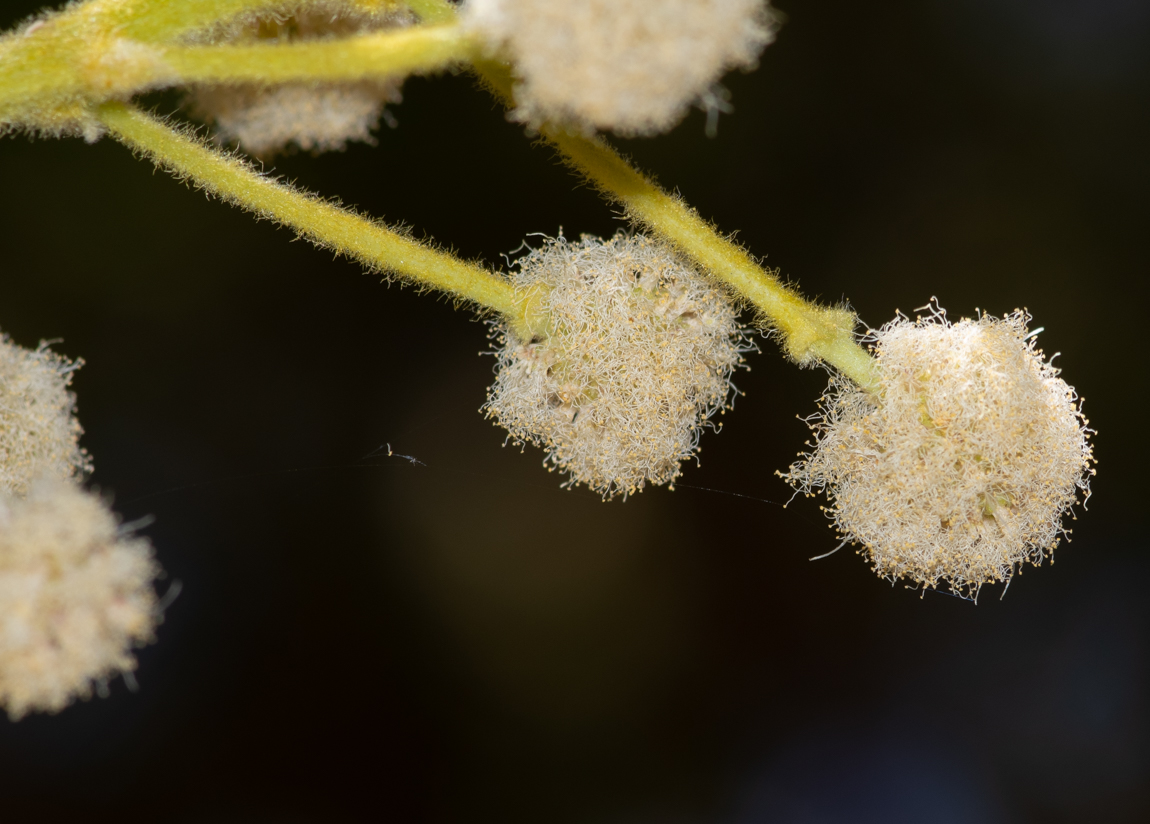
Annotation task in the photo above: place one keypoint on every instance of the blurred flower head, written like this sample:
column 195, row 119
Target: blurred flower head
column 75, row 597
column 631, row 66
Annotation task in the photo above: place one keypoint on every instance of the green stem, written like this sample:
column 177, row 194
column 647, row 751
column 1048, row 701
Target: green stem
column 166, row 20
column 381, row 54
column 433, row 11
column 158, row 21
column 51, row 76
column 321, row 222
column 809, row 331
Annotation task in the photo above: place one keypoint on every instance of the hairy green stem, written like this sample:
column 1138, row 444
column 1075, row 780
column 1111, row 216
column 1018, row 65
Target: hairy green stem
column 433, row 11
column 377, row 55
column 77, row 66
column 321, row 222
column 99, row 51
column 809, row 331
column 167, row 20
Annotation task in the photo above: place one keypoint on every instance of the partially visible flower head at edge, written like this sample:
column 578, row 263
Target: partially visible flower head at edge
column 39, row 432
column 265, row 120
column 75, row 589
column 631, row 66
column 75, row 597
column 636, row 356
column 960, row 468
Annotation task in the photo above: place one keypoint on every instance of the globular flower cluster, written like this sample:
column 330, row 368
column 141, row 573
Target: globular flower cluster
column 631, row 66
column 960, row 467
column 39, row 433
column 75, row 597
column 637, row 354
column 320, row 117
column 75, row 590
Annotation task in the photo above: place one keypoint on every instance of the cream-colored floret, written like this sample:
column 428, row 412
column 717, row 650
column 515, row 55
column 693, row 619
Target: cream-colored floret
column 75, row 597
column 309, row 116
column 39, row 433
column 632, row 66
column 637, row 355
column 960, row 468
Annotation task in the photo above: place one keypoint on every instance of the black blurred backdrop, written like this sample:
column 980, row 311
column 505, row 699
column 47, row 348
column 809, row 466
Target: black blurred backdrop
column 459, row 639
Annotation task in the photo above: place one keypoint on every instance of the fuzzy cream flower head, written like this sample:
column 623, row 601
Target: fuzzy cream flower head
column 638, row 355
column 320, row 117
column 960, row 468
column 75, row 597
column 39, row 433
column 631, row 66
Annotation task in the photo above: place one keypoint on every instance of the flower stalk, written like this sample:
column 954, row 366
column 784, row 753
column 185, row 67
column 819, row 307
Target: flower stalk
column 809, row 332
column 83, row 59
column 398, row 53
column 326, row 225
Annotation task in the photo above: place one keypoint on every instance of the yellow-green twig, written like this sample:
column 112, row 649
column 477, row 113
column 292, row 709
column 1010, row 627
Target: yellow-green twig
column 433, row 11
column 50, row 58
column 321, row 222
column 49, row 76
column 809, row 331
column 82, row 57
column 379, row 54
column 158, row 21
column 165, row 20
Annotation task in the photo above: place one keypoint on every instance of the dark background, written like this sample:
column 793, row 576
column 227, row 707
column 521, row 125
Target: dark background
column 462, row 641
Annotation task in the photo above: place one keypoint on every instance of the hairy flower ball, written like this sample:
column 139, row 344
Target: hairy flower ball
column 75, row 597
column 632, row 66
column 960, row 468
column 39, row 433
column 638, row 356
column 309, row 116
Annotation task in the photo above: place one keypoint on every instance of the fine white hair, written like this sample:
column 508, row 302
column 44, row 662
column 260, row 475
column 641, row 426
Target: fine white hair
column 959, row 468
